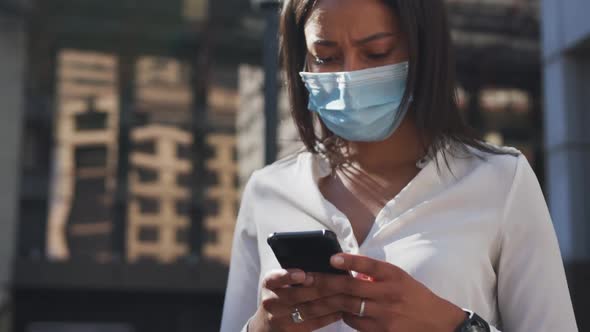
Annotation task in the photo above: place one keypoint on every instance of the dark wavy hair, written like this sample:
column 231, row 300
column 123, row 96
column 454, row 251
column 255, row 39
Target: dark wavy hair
column 431, row 80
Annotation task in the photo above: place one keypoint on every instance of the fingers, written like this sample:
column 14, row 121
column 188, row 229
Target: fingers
column 318, row 323
column 371, row 267
column 336, row 284
column 372, row 309
column 293, row 296
column 340, row 303
column 280, row 278
column 286, row 323
column 280, row 300
column 329, row 305
column 363, row 324
column 325, row 306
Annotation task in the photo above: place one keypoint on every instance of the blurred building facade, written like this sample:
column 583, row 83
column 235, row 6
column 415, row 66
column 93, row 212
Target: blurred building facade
column 126, row 184
column 130, row 129
column 84, row 156
column 566, row 67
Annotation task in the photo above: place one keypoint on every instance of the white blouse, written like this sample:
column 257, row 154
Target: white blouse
column 480, row 237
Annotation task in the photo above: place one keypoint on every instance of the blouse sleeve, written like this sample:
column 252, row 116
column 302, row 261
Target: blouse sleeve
column 532, row 289
column 242, row 287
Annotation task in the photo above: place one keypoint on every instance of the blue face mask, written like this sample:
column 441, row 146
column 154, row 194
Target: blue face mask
column 359, row 106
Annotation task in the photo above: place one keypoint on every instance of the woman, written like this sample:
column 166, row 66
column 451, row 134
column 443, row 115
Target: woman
column 437, row 220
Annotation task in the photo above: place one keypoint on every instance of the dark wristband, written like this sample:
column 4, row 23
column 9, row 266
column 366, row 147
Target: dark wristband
column 473, row 323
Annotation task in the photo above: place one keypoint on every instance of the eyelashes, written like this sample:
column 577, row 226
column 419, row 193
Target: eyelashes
column 377, row 56
column 321, row 61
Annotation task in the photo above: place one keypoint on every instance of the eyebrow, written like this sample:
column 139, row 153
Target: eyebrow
column 380, row 35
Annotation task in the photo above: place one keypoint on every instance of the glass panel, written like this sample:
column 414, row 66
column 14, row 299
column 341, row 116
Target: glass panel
column 84, row 156
column 160, row 155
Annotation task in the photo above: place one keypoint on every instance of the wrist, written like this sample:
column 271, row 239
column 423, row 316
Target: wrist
column 457, row 317
column 473, row 323
column 256, row 323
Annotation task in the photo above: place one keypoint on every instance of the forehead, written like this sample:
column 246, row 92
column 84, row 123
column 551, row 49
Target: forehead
column 355, row 18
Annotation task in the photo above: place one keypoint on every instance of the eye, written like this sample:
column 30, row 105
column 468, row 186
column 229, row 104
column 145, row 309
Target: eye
column 378, row 56
column 322, row 61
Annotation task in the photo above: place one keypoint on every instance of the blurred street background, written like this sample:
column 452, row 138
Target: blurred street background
column 128, row 129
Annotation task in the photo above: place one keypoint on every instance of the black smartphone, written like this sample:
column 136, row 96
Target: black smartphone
column 308, row 251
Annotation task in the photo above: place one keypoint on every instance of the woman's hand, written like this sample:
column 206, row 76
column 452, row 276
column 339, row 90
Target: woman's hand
column 280, row 299
column 394, row 301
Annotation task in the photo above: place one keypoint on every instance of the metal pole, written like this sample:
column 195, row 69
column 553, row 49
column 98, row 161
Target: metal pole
column 126, row 73
column 199, row 127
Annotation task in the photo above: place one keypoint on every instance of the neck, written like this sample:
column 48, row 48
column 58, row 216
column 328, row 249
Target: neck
column 402, row 149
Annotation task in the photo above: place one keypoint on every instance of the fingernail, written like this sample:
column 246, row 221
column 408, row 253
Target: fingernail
column 298, row 276
column 308, row 280
column 337, row 260
column 364, row 277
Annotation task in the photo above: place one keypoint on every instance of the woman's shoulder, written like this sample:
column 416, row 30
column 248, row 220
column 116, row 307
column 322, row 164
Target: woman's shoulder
column 496, row 168
column 284, row 172
column 503, row 159
column 287, row 165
